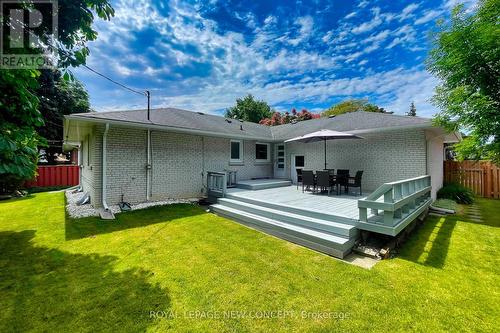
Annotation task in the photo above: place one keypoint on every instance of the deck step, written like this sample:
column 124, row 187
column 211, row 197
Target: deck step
column 263, row 184
column 296, row 219
column 292, row 209
column 334, row 245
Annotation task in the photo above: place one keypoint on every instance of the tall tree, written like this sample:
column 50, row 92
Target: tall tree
column 58, row 97
column 249, row 109
column 413, row 110
column 19, row 106
column 352, row 105
column 466, row 57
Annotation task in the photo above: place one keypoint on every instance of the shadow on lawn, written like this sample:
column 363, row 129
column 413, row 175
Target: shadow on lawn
column 89, row 226
column 46, row 289
column 430, row 243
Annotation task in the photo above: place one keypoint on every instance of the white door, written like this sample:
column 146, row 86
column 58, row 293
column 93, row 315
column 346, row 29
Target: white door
column 297, row 162
column 279, row 160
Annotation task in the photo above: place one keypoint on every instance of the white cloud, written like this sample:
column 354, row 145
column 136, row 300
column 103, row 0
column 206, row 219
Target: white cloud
column 408, row 10
column 382, row 35
column 367, row 26
column 428, row 16
column 306, row 24
column 363, row 3
column 351, row 15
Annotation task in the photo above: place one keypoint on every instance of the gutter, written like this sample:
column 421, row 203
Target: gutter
column 104, row 166
column 171, row 129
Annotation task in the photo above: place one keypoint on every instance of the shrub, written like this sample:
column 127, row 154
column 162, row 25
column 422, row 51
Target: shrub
column 457, row 193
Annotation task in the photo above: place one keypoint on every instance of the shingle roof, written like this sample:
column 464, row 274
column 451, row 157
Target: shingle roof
column 347, row 122
column 183, row 119
column 177, row 118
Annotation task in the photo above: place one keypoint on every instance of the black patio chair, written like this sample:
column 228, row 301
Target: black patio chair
column 299, row 177
column 308, row 180
column 323, row 181
column 356, row 181
column 342, row 179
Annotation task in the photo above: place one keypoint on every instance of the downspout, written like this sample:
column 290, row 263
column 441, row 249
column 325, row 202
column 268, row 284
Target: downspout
column 148, row 167
column 148, row 149
column 104, row 166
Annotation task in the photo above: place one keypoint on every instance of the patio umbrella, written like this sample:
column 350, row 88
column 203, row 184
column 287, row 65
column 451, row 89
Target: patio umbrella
column 324, row 135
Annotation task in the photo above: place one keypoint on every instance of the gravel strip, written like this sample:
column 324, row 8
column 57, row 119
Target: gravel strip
column 87, row 210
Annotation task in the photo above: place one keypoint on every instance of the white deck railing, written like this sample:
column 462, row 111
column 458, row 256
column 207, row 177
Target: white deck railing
column 402, row 200
column 216, row 185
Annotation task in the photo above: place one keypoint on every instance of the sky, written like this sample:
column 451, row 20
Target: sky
column 201, row 56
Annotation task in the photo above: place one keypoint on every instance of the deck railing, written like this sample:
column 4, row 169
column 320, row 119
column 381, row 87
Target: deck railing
column 216, row 185
column 402, row 201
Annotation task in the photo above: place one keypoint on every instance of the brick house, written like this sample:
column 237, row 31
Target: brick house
column 185, row 145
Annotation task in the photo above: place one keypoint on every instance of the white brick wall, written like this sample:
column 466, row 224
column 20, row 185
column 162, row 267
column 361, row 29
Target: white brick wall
column 177, row 164
column 178, row 161
column 384, row 157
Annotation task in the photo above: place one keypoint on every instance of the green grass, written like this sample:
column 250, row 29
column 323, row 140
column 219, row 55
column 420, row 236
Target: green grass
column 63, row 275
column 446, row 204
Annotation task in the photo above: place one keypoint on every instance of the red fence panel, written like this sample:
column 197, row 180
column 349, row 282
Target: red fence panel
column 56, row 175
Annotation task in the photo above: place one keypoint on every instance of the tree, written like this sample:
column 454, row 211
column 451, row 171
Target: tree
column 466, row 58
column 58, row 97
column 351, row 105
column 19, row 106
column 413, row 110
column 249, row 109
column 285, row 118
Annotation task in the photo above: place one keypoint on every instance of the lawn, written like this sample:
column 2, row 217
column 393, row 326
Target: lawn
column 179, row 268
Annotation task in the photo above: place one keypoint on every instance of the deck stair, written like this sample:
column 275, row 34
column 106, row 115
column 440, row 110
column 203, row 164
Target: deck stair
column 262, row 184
column 295, row 225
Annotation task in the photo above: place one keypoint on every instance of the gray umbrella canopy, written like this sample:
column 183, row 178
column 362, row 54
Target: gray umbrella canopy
column 324, row 135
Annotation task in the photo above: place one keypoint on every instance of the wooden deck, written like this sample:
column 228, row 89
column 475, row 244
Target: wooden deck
column 344, row 205
column 326, row 223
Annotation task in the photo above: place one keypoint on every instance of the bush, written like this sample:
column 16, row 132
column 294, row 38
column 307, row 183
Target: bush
column 457, row 193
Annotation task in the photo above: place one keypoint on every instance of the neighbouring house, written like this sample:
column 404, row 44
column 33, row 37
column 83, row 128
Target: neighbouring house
column 171, row 153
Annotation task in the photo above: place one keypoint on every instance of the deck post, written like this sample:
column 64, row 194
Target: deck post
column 363, row 215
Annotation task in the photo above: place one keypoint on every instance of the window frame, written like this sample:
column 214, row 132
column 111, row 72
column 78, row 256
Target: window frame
column 234, row 160
column 268, row 157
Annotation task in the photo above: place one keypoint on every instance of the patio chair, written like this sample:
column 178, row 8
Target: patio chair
column 299, row 177
column 323, row 181
column 342, row 179
column 356, row 181
column 330, row 171
column 308, row 180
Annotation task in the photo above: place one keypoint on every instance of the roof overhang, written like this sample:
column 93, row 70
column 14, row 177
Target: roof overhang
column 132, row 124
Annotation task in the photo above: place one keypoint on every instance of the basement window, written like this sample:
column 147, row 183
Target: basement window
column 236, row 151
column 262, row 152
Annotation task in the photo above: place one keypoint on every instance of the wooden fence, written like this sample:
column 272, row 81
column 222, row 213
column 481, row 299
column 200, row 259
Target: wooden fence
column 482, row 177
column 56, row 175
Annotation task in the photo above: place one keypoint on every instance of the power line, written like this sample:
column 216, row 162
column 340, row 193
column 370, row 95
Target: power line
column 115, row 82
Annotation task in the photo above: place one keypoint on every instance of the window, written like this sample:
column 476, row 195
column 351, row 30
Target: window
column 262, row 153
column 299, row 161
column 236, row 151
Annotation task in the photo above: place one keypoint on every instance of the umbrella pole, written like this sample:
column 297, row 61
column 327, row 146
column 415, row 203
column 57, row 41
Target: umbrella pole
column 325, row 154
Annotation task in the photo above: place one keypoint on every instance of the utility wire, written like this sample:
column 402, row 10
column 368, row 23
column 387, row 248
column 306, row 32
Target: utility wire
column 142, row 93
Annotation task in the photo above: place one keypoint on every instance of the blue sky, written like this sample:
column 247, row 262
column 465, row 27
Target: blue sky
column 201, row 56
